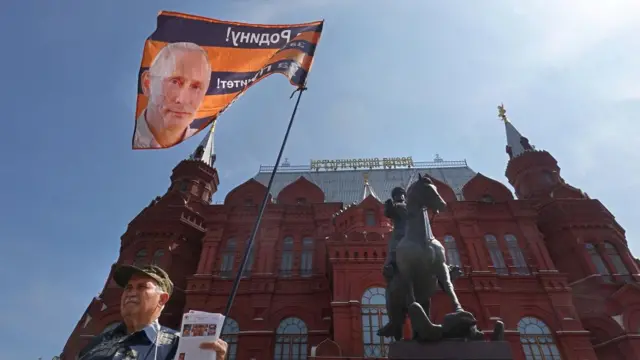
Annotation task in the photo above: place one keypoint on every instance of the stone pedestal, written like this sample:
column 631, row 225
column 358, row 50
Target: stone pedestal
column 450, row 350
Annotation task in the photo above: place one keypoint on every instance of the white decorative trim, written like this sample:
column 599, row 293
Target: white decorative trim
column 583, row 279
column 621, row 337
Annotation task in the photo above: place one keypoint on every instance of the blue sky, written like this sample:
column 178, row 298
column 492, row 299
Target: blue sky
column 401, row 78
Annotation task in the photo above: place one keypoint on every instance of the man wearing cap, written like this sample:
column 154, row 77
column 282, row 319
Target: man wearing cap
column 140, row 337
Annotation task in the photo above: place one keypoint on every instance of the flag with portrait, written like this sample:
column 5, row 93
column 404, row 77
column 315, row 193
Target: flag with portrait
column 194, row 67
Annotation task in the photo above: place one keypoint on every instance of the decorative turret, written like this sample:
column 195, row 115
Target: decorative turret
column 368, row 189
column 196, row 175
column 532, row 173
column 367, row 215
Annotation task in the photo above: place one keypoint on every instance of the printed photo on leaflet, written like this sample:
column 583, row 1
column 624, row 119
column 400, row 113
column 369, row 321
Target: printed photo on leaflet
column 198, row 327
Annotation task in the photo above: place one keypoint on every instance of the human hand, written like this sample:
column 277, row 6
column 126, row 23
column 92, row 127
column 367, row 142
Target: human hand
column 219, row 346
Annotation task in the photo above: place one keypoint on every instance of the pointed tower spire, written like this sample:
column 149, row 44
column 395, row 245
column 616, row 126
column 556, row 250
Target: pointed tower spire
column 533, row 173
column 197, row 177
column 205, row 151
column 516, row 143
column 368, row 189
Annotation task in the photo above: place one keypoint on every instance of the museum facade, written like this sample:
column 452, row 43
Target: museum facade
column 552, row 263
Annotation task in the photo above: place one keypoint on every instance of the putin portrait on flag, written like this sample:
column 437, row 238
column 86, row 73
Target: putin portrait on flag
column 175, row 86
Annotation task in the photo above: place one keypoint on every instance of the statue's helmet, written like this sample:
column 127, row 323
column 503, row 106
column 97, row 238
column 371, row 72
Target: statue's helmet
column 397, row 191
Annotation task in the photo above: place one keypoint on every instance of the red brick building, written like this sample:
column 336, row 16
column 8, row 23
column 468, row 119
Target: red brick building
column 553, row 265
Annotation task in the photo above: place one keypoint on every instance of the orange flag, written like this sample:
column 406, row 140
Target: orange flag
column 193, row 68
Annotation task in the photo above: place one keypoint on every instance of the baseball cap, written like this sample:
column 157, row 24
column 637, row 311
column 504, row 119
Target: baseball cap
column 123, row 274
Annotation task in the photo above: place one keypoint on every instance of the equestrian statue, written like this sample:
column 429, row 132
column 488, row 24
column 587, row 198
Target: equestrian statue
column 416, row 267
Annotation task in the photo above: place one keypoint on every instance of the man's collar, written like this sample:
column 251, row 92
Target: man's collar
column 151, row 331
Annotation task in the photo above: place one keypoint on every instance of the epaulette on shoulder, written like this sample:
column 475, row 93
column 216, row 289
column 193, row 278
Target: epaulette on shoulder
column 168, row 336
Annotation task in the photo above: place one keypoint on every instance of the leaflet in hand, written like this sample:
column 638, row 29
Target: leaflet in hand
column 198, row 327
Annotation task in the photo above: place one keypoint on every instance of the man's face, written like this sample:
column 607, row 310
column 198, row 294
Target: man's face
column 141, row 297
column 399, row 197
column 175, row 94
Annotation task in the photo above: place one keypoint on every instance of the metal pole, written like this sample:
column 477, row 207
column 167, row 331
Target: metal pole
column 245, row 257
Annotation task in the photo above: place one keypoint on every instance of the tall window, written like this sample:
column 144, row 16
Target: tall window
column 496, row 255
column 370, row 218
column 596, row 259
column 184, row 185
column 517, row 257
column 615, row 258
column 306, row 260
column 374, row 316
column 157, row 257
column 537, row 341
column 453, row 256
column 228, row 258
column 229, row 334
column 291, row 340
column 249, row 266
column 141, row 256
column 286, row 264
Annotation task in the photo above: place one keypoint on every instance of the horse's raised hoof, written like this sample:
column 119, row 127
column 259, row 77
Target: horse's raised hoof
column 423, row 328
column 386, row 331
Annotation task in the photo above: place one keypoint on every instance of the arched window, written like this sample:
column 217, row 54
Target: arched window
column 486, row 198
column 184, row 185
column 616, row 259
column 596, row 259
column 286, row 263
column 228, row 258
column 249, row 266
column 157, row 257
column 496, row 255
column 547, row 178
column 537, row 341
column 140, row 258
column 306, row 260
column 517, row 257
column 229, row 334
column 370, row 218
column 453, row 256
column 374, row 316
column 291, row 340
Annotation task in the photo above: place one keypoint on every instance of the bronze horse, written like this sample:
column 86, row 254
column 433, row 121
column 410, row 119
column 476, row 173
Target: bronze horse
column 421, row 264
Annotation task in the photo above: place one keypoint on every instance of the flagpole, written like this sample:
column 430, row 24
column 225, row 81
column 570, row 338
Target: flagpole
column 245, row 257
